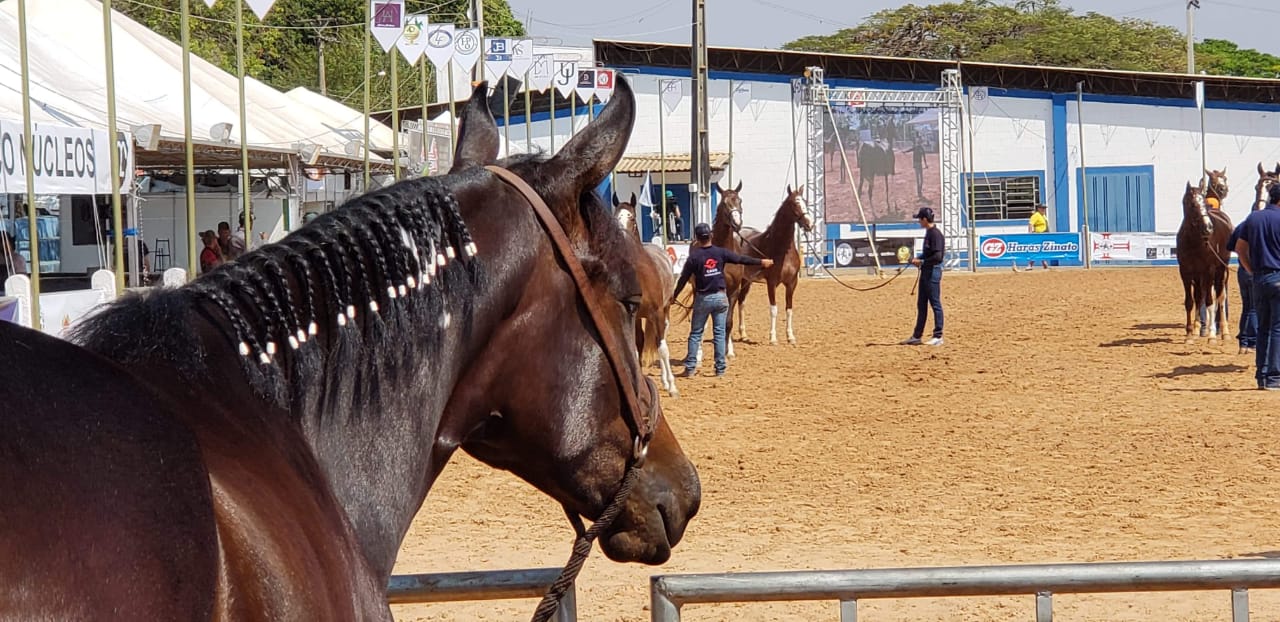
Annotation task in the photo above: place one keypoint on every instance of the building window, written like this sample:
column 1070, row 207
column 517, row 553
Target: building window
column 1005, row 198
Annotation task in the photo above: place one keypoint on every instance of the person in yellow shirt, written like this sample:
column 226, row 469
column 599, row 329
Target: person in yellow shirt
column 1038, row 224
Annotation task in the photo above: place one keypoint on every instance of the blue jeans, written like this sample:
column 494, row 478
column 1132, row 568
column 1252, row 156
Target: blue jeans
column 1266, row 301
column 717, row 306
column 1248, row 336
column 930, row 295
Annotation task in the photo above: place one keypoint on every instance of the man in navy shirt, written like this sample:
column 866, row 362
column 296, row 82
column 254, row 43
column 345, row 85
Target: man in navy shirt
column 706, row 265
column 1248, row 335
column 930, row 295
column 1259, row 252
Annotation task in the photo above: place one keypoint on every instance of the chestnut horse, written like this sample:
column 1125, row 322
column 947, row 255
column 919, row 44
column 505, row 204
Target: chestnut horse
column 1266, row 179
column 653, row 268
column 777, row 242
column 1203, row 258
column 254, row 444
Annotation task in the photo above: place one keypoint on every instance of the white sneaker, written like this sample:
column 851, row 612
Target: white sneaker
column 936, row 341
column 914, row 341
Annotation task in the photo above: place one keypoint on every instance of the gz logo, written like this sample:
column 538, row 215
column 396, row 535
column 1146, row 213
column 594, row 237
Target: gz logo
column 994, row 248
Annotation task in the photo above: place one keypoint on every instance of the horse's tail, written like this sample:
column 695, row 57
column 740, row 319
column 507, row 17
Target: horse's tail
column 651, row 338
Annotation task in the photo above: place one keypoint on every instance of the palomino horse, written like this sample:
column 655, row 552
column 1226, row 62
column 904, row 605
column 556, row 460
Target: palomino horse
column 777, row 242
column 1265, row 181
column 254, row 445
column 653, row 269
column 1202, row 261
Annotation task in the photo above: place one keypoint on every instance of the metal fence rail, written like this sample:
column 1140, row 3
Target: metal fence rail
column 669, row 592
column 493, row 585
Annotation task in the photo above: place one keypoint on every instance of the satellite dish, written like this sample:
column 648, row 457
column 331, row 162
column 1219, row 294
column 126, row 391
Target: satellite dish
column 220, row 132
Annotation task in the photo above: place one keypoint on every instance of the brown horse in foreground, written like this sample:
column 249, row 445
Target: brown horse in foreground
column 1203, row 258
column 653, row 269
column 255, row 444
column 777, row 242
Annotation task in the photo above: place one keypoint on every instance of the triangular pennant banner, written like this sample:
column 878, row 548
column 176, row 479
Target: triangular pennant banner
column 413, row 40
column 440, row 45
column 566, row 77
column 741, row 95
column 521, row 57
column 210, row 3
column 604, row 84
column 672, row 93
column 497, row 57
column 586, row 86
column 466, row 48
column 259, row 7
column 542, row 72
column 388, row 22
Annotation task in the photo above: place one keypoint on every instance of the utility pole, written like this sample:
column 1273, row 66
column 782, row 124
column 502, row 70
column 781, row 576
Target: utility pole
column 1192, row 5
column 699, row 162
column 322, row 25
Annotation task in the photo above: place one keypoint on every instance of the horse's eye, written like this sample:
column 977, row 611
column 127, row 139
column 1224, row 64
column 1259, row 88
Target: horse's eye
column 632, row 303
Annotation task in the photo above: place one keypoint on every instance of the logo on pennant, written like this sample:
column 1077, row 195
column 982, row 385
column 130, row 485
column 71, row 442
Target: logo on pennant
column 388, row 22
column 672, row 93
column 566, row 77
column 742, row 95
column 466, row 49
column 440, row 45
column 521, row 57
column 413, row 40
column 604, row 84
column 586, row 84
column 497, row 59
column 542, row 72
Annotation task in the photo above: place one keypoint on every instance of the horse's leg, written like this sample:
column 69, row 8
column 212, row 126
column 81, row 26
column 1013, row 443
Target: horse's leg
column 1187, row 301
column 773, row 310
column 664, row 360
column 791, row 294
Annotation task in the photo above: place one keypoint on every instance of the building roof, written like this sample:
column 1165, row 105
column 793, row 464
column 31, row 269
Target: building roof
column 676, row 162
column 925, row 71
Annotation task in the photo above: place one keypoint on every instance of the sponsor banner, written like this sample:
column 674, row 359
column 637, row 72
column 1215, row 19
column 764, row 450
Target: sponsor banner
column 1002, row 250
column 9, row 310
column 856, row 252
column 61, row 311
column 677, row 254
column 69, row 160
column 1133, row 246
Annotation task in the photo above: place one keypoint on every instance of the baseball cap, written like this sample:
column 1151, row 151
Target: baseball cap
column 1274, row 193
column 702, row 230
column 925, row 212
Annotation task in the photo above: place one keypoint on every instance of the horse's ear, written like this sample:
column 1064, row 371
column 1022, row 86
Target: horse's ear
column 739, row 188
column 1262, row 172
column 800, row 190
column 614, row 198
column 789, row 192
column 477, row 133
column 589, row 156
column 633, row 200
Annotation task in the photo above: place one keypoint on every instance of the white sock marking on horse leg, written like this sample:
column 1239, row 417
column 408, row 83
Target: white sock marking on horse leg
column 791, row 334
column 773, row 324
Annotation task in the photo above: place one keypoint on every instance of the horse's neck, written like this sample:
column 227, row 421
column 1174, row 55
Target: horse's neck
column 780, row 234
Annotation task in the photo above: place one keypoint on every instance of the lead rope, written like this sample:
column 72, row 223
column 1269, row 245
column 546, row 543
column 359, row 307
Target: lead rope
column 582, row 546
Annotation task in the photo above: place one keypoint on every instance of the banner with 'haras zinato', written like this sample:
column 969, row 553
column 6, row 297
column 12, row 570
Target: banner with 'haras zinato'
column 68, row 160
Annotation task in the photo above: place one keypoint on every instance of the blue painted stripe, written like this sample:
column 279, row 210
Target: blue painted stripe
column 561, row 113
column 1061, row 167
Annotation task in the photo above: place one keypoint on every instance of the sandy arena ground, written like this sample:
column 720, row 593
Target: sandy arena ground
column 1064, row 421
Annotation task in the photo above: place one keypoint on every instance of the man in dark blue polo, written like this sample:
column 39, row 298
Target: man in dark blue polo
column 706, row 266
column 1248, row 335
column 1259, row 252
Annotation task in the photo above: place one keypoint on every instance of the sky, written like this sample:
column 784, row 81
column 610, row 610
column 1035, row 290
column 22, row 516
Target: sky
column 771, row 23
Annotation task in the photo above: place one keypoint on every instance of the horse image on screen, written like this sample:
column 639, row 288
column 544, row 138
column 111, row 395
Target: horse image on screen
column 893, row 164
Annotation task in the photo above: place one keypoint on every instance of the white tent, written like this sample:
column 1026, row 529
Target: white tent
column 68, row 85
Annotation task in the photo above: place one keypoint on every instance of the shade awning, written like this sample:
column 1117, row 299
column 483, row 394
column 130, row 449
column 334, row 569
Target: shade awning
column 675, row 162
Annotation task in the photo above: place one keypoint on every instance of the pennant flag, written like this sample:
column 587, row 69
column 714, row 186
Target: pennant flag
column 413, row 40
column 210, row 3
column 542, row 72
column 259, row 7
column 521, row 57
column 388, row 22
column 497, row 57
column 646, row 194
column 9, row 310
column 466, row 48
column 604, row 84
column 440, row 45
column 1200, row 94
column 741, row 95
column 586, row 85
column 672, row 93
column 566, row 77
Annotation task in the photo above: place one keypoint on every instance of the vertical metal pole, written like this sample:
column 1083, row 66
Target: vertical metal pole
column 1239, row 605
column 552, row 122
column 662, row 609
column 117, row 226
column 426, row 146
column 1192, row 5
column 477, row 21
column 1204, row 147
column 848, row 611
column 662, row 159
column 1086, row 246
column 368, row 70
column 731, row 107
column 698, row 162
column 1044, row 607
column 506, row 113
column 247, row 204
column 795, row 138
column 395, row 115
column 193, row 266
column 528, row 115
column 567, row 611
column 29, row 167
column 453, row 116
column 573, row 114
column 973, row 210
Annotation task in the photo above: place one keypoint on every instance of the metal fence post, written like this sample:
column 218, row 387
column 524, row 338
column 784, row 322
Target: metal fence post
column 848, row 611
column 1044, row 607
column 568, row 609
column 1240, row 605
column 662, row 608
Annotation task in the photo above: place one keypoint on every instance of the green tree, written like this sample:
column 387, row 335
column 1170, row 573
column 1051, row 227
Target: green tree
column 283, row 50
column 1037, row 32
column 1224, row 58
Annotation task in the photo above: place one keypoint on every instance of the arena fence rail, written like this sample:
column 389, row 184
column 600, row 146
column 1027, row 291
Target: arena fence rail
column 491, row 585
column 669, row 592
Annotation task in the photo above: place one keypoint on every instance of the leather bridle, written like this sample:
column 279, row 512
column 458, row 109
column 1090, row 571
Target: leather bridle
column 642, row 424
